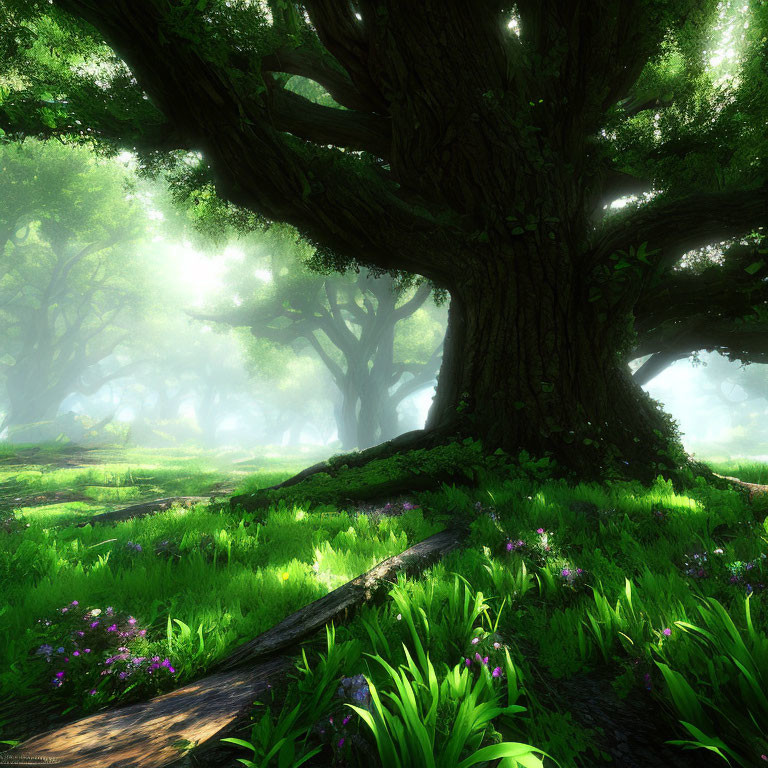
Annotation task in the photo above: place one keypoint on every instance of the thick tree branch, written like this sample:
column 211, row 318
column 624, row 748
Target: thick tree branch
column 733, row 289
column 674, row 227
column 257, row 166
column 347, row 39
column 323, row 70
column 327, row 125
column 335, row 370
column 736, row 339
column 655, row 364
column 614, row 184
column 410, row 306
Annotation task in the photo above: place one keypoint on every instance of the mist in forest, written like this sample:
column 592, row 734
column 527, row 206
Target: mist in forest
column 133, row 318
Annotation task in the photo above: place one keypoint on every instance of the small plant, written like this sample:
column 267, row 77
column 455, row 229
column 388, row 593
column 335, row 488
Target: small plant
column 407, row 733
column 723, row 689
column 284, row 741
column 167, row 548
column 98, row 655
column 9, row 523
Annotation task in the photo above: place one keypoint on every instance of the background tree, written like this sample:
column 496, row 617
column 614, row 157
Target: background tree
column 354, row 323
column 474, row 148
column 72, row 285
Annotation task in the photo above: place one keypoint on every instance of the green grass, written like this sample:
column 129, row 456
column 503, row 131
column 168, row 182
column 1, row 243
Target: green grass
column 233, row 581
column 108, row 478
column 603, row 572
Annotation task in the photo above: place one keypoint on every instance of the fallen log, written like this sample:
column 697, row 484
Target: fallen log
column 340, row 603
column 143, row 509
column 753, row 488
column 159, row 732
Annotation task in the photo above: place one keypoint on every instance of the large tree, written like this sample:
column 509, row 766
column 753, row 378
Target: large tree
column 475, row 144
column 367, row 330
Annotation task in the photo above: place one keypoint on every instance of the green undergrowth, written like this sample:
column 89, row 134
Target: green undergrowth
column 63, row 483
column 661, row 591
column 219, row 578
column 458, row 462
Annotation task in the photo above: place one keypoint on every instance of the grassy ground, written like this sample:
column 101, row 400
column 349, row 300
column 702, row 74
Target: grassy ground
column 57, row 483
column 659, row 596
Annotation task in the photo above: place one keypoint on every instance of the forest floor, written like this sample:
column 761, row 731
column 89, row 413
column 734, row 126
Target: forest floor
column 627, row 612
column 64, row 483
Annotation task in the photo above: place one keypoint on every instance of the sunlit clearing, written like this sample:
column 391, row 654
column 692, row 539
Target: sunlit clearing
column 263, row 274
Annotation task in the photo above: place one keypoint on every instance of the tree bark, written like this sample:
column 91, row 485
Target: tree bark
column 528, row 366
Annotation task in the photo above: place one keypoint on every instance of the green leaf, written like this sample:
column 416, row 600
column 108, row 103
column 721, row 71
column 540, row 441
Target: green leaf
column 754, row 267
column 507, row 749
column 239, row 743
column 517, row 231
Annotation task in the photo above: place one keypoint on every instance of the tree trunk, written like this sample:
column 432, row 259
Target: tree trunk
column 528, row 364
column 30, row 409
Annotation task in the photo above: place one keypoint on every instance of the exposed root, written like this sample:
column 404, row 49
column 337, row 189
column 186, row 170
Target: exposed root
column 409, row 441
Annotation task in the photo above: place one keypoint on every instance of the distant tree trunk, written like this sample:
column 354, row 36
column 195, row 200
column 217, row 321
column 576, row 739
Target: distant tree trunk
column 29, row 401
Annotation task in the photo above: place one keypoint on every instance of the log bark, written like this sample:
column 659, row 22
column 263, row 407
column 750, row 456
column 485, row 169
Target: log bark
column 143, row 509
column 143, row 735
column 754, row 489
